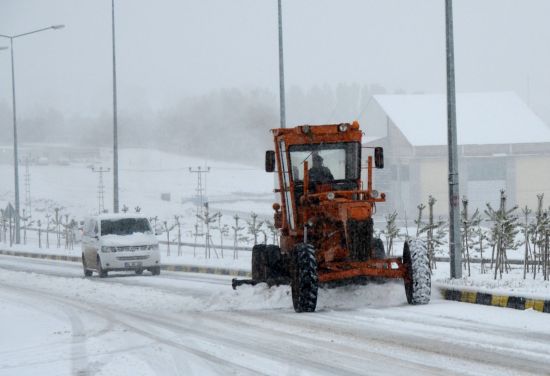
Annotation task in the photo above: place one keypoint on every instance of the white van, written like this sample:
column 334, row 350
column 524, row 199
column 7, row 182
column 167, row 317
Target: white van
column 113, row 242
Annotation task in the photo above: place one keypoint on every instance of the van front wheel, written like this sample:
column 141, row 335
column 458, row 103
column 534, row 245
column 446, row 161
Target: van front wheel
column 87, row 272
column 102, row 272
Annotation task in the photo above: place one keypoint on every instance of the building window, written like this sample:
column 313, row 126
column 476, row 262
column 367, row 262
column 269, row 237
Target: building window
column 486, row 169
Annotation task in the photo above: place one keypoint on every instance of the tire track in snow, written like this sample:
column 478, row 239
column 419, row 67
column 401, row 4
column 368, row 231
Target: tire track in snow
column 139, row 323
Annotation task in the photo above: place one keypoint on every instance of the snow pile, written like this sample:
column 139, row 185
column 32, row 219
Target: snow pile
column 260, row 297
column 527, row 288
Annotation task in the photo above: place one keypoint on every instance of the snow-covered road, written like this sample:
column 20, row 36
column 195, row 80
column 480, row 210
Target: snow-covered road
column 55, row 322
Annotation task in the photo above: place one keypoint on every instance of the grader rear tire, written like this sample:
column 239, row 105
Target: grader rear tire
column 305, row 280
column 418, row 284
column 259, row 262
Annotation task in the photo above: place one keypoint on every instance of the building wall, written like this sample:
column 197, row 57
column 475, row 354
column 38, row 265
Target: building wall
column 433, row 181
column 414, row 173
column 532, row 177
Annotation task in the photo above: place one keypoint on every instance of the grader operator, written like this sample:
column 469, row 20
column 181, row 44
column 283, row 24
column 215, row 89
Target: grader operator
column 325, row 219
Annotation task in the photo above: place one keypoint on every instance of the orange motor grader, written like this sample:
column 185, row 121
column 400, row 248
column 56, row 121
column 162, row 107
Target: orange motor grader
column 325, row 219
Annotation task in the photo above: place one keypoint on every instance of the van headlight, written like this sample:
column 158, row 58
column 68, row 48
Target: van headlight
column 108, row 249
column 154, row 247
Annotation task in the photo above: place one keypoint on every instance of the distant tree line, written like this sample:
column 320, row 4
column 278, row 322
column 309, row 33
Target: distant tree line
column 223, row 124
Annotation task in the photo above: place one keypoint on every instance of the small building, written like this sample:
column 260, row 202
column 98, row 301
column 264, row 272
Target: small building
column 502, row 145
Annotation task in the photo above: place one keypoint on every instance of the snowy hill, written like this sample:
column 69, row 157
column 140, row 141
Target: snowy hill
column 144, row 175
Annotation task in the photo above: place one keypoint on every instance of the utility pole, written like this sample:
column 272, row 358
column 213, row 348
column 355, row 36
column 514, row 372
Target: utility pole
column 15, row 152
column 14, row 107
column 100, row 188
column 115, row 125
column 201, row 188
column 200, row 205
column 281, row 71
column 454, row 210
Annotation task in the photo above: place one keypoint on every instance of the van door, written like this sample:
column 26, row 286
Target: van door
column 86, row 238
column 93, row 244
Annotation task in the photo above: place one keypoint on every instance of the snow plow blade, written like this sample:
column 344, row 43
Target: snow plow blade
column 270, row 282
column 387, row 268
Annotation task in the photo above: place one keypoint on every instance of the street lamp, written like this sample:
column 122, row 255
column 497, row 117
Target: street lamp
column 115, row 121
column 15, row 156
column 282, row 106
column 455, row 252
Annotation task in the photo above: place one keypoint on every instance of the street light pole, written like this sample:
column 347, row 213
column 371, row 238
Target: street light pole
column 455, row 245
column 14, row 110
column 281, row 71
column 115, row 125
column 15, row 153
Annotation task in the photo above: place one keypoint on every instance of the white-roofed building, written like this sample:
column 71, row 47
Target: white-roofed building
column 502, row 145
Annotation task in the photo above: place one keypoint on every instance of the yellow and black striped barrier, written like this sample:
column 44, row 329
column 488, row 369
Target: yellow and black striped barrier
column 497, row 300
column 170, row 268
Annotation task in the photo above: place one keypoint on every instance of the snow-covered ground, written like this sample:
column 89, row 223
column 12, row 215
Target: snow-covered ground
column 55, row 322
column 144, row 175
column 510, row 284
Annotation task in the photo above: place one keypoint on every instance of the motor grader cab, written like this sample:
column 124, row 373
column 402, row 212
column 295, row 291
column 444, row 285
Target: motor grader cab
column 325, row 218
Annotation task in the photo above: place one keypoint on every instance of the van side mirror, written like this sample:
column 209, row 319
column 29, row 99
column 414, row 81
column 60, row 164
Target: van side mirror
column 378, row 157
column 269, row 161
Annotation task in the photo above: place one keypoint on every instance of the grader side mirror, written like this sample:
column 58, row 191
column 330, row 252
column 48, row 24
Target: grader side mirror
column 269, row 161
column 379, row 157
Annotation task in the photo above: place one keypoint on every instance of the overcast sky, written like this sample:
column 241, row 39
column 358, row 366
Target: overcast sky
column 170, row 49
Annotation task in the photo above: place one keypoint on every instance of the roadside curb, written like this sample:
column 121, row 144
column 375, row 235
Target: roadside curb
column 496, row 300
column 168, row 267
column 41, row 256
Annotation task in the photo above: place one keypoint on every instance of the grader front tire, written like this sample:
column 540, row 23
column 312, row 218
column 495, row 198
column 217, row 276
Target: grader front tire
column 418, row 284
column 305, row 280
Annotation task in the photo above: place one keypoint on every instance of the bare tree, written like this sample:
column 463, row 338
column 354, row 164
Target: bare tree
column 47, row 229
column 391, row 232
column 26, row 223
column 525, row 231
column 505, row 225
column 57, row 222
column 207, row 219
column 236, row 236
column 167, row 229
column 420, row 227
column 468, row 234
column 254, row 226
column 222, row 229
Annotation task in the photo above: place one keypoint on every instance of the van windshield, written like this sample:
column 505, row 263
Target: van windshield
column 124, row 226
